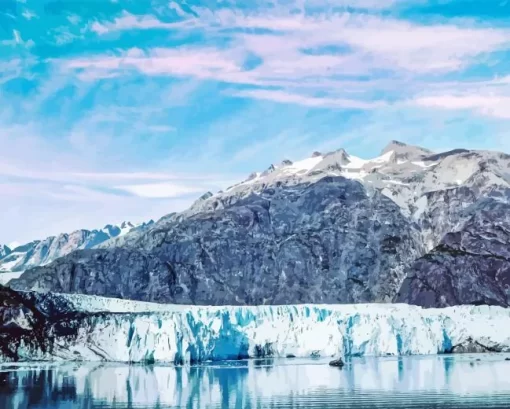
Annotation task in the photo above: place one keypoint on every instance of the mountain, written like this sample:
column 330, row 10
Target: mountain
column 409, row 226
column 4, row 251
column 42, row 252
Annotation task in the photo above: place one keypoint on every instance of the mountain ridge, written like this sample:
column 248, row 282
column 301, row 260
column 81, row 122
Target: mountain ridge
column 41, row 252
column 331, row 228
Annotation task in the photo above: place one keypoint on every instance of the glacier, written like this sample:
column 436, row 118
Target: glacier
column 57, row 327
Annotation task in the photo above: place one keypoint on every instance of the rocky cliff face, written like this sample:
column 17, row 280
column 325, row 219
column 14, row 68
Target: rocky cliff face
column 118, row 272
column 470, row 265
column 329, row 242
column 409, row 225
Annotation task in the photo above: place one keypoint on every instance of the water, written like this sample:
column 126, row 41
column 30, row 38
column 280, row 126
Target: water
column 462, row 381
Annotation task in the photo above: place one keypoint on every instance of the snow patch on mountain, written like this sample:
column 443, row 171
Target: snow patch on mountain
column 403, row 173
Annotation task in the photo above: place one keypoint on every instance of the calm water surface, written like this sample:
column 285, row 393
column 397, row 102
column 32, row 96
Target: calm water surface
column 467, row 381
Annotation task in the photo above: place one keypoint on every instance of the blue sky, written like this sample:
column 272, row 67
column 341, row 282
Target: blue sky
column 124, row 109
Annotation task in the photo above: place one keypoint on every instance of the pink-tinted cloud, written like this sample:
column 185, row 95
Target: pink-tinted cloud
column 310, row 101
column 488, row 105
column 132, row 22
column 300, row 50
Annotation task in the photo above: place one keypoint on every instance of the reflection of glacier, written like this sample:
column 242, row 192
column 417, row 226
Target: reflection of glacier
column 161, row 333
column 394, row 379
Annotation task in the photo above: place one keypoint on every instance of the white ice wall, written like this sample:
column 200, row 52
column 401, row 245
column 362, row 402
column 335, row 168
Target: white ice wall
column 184, row 334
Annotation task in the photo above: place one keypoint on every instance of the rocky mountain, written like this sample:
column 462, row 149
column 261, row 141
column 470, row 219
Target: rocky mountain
column 409, row 225
column 42, row 252
column 4, row 251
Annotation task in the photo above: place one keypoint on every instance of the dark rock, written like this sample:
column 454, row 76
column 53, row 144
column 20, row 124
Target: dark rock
column 469, row 266
column 473, row 347
column 339, row 363
column 264, row 351
column 31, row 320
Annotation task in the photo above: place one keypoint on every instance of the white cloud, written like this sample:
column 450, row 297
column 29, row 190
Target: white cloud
column 132, row 22
column 291, row 140
column 29, row 15
column 13, row 244
column 314, row 51
column 162, row 190
column 359, row 4
column 285, row 97
column 73, row 19
column 488, row 105
column 82, row 194
column 390, row 43
column 204, row 63
column 374, row 42
column 17, row 40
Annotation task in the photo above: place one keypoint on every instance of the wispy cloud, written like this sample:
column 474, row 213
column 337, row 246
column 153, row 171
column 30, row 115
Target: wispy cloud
column 488, row 98
column 310, row 101
column 290, row 140
column 413, row 47
column 128, row 21
column 136, row 109
column 291, row 50
column 203, row 63
column 17, row 40
column 488, row 105
column 29, row 15
column 159, row 190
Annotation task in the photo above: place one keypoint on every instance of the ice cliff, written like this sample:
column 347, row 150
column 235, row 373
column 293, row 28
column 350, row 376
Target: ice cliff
column 37, row 326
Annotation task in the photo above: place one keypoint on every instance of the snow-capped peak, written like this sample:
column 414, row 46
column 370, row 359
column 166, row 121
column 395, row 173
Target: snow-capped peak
column 402, row 172
column 42, row 252
column 4, row 250
column 114, row 230
column 404, row 151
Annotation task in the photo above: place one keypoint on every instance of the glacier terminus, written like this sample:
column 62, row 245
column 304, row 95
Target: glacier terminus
column 35, row 326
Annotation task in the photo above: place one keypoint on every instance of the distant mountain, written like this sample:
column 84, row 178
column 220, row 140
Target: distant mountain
column 409, row 226
column 42, row 252
column 4, row 251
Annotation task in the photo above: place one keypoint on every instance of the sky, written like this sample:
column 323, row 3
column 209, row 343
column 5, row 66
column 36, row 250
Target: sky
column 117, row 110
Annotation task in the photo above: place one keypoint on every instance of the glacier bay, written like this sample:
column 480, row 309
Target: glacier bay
column 49, row 326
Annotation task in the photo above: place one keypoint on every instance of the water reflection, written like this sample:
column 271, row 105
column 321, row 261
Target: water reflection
column 425, row 382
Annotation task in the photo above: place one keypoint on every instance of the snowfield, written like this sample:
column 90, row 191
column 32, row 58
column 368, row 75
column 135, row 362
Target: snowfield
column 130, row 331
